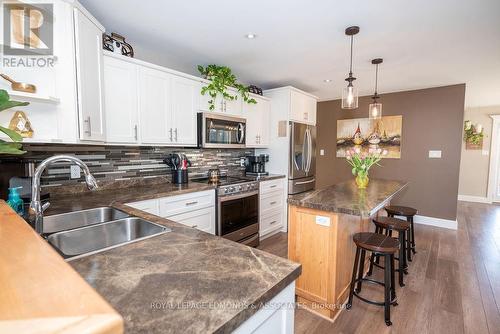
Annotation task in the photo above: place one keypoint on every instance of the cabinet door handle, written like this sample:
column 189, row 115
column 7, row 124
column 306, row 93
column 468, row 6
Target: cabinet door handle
column 135, row 132
column 305, row 116
column 175, row 134
column 273, row 222
column 194, row 226
column 225, row 106
column 222, row 105
column 273, row 202
column 191, row 203
column 89, row 126
column 171, row 135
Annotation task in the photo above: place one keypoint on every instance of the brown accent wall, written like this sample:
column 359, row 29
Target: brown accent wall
column 432, row 120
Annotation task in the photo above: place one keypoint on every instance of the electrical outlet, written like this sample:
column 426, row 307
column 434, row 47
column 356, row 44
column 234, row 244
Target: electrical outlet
column 321, row 152
column 242, row 162
column 75, row 171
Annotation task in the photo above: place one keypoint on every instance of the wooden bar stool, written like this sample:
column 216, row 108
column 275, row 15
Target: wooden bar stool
column 385, row 225
column 381, row 245
column 409, row 213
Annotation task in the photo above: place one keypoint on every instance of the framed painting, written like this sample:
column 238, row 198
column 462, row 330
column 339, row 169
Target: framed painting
column 364, row 133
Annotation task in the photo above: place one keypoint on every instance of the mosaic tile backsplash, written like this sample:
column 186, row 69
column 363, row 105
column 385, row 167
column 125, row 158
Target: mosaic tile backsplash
column 109, row 163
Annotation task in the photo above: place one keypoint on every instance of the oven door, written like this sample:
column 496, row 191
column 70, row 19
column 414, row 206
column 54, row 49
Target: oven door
column 238, row 215
column 218, row 131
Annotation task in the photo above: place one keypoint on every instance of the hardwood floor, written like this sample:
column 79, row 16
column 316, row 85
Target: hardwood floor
column 453, row 285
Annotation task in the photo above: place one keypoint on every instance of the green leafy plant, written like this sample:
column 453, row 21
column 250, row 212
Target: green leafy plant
column 471, row 134
column 220, row 78
column 13, row 147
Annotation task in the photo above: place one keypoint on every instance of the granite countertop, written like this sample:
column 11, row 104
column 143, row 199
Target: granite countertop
column 346, row 198
column 181, row 281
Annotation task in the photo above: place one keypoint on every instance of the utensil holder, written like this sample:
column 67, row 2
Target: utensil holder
column 179, row 176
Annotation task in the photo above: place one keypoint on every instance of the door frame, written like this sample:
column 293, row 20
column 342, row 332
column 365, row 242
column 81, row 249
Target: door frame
column 493, row 174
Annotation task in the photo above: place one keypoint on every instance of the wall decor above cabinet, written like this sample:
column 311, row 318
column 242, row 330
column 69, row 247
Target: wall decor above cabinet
column 221, row 78
column 116, row 44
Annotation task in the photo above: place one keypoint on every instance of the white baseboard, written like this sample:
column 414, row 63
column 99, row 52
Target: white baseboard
column 432, row 221
column 475, row 199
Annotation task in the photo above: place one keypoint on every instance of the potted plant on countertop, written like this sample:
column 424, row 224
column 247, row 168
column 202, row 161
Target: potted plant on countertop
column 362, row 162
column 222, row 77
column 13, row 147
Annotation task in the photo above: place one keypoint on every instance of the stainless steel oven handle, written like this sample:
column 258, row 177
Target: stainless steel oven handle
column 305, row 182
column 226, row 198
column 249, row 240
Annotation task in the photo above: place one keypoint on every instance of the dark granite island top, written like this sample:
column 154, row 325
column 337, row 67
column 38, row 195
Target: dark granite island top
column 184, row 281
column 346, row 198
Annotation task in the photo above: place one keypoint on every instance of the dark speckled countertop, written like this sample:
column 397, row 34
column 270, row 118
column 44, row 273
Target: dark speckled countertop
column 346, row 198
column 183, row 281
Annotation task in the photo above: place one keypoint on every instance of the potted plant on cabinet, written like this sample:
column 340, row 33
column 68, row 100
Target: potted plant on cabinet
column 220, row 78
column 13, row 147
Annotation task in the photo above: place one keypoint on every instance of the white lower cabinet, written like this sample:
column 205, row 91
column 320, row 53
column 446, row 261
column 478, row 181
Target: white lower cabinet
column 196, row 209
column 272, row 204
column 202, row 219
column 150, row 206
column 275, row 317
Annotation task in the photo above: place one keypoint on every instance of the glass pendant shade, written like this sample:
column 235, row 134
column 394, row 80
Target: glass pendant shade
column 349, row 97
column 375, row 110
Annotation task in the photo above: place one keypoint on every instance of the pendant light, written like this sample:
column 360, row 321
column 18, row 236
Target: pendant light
column 375, row 108
column 350, row 93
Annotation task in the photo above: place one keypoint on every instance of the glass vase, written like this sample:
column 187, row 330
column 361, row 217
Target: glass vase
column 362, row 181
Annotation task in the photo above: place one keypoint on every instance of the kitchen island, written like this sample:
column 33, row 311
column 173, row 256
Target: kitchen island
column 320, row 229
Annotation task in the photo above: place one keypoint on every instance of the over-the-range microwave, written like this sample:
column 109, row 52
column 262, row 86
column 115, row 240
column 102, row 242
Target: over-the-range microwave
column 221, row 131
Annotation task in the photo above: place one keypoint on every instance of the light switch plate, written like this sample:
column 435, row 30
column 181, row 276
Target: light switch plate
column 435, row 154
column 75, row 171
column 485, row 152
column 323, row 221
column 321, row 152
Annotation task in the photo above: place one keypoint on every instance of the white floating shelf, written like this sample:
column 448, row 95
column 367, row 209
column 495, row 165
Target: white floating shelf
column 32, row 97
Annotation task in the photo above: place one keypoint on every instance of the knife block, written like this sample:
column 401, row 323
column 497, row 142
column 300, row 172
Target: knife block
column 179, row 176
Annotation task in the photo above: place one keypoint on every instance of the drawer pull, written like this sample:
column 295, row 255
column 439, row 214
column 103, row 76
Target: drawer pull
column 191, row 203
column 194, row 226
column 272, row 203
column 273, row 222
column 273, row 186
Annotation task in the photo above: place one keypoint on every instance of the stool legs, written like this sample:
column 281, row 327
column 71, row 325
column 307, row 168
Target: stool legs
column 402, row 257
column 353, row 279
column 387, row 289
column 361, row 270
column 412, row 231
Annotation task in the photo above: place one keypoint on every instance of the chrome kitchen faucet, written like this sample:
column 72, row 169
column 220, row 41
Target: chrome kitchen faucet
column 36, row 209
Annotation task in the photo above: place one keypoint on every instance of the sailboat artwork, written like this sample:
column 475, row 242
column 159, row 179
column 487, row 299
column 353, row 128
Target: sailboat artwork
column 366, row 134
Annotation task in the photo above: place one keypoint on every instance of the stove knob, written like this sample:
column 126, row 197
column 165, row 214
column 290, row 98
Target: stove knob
column 240, row 188
column 232, row 189
column 226, row 190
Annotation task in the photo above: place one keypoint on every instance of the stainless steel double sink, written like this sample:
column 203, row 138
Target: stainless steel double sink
column 82, row 233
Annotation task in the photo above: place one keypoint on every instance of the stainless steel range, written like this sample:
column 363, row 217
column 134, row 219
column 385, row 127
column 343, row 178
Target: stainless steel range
column 237, row 209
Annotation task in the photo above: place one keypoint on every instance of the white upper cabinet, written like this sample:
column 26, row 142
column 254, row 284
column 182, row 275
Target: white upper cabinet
column 302, row 108
column 229, row 107
column 89, row 71
column 120, row 101
column 185, row 100
column 258, row 122
column 155, row 106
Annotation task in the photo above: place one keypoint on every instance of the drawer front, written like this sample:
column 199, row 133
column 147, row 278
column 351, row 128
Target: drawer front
column 203, row 219
column 271, row 222
column 149, row 206
column 175, row 205
column 273, row 185
column 271, row 201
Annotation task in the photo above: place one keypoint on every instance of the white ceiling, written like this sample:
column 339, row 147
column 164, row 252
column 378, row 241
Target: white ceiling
column 424, row 43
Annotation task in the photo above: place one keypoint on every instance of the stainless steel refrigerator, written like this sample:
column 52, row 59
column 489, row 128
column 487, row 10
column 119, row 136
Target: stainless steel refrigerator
column 302, row 164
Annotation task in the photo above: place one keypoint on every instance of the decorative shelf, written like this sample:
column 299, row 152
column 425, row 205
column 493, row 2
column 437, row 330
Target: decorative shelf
column 33, row 97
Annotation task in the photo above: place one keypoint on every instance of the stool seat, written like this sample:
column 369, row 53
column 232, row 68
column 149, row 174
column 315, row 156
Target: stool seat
column 398, row 210
column 375, row 242
column 392, row 223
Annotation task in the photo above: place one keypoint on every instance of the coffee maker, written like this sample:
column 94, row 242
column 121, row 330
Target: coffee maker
column 255, row 165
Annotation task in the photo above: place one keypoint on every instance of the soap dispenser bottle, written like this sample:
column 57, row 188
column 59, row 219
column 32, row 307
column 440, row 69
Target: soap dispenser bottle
column 15, row 201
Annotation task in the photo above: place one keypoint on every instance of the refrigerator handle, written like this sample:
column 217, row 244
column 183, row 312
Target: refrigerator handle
column 304, row 148
column 309, row 150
